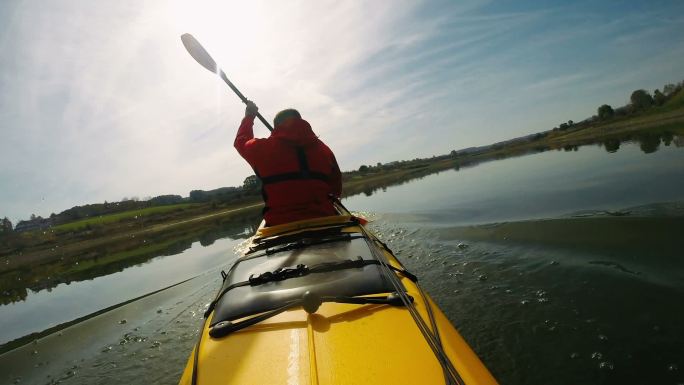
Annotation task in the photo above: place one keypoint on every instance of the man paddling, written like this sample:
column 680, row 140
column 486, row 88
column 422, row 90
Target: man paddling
column 297, row 170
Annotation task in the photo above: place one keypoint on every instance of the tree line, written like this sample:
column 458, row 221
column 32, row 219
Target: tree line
column 225, row 195
column 639, row 101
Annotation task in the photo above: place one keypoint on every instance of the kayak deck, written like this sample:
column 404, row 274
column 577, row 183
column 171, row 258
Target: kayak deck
column 339, row 343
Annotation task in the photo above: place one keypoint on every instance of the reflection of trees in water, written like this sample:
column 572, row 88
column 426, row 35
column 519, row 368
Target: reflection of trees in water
column 14, row 284
column 678, row 140
column 612, row 145
column 648, row 142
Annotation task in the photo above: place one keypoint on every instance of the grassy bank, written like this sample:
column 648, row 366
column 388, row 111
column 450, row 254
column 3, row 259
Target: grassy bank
column 51, row 246
column 133, row 214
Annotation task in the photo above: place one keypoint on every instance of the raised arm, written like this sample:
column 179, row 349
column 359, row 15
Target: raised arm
column 244, row 140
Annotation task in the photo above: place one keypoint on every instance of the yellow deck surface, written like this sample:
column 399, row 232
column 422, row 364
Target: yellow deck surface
column 339, row 344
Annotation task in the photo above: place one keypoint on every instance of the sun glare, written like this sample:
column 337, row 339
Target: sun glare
column 228, row 30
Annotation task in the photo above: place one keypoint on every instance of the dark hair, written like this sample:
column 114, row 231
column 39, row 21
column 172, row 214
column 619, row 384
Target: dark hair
column 284, row 114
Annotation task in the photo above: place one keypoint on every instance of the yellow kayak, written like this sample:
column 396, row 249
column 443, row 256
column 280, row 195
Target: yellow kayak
column 323, row 301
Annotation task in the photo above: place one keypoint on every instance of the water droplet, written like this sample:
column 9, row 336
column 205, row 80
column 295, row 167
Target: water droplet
column 457, row 291
column 606, row 365
column 508, row 291
column 602, row 337
column 33, row 353
column 672, row 367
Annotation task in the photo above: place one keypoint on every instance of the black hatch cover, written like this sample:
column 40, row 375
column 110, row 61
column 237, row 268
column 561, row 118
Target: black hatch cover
column 242, row 301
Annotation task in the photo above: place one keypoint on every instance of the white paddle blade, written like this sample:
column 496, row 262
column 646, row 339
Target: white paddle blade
column 198, row 52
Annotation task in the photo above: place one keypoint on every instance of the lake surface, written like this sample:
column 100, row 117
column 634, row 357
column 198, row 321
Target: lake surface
column 558, row 268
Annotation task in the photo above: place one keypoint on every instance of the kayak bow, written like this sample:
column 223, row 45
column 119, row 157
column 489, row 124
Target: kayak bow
column 323, row 301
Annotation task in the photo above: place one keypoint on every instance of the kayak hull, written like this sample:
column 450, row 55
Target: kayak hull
column 338, row 344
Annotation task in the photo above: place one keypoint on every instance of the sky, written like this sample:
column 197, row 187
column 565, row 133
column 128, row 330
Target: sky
column 100, row 101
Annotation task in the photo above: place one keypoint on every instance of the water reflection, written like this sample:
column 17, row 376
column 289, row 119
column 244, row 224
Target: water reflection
column 108, row 259
column 648, row 142
column 612, row 145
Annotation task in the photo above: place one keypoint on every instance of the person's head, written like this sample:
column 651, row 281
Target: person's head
column 285, row 115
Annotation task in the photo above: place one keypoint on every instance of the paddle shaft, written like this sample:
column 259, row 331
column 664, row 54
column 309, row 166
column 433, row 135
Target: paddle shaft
column 242, row 97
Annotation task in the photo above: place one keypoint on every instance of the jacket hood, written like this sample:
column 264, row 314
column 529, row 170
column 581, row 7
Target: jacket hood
column 295, row 131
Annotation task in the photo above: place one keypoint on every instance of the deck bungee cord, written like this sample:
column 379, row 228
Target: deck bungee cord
column 310, row 301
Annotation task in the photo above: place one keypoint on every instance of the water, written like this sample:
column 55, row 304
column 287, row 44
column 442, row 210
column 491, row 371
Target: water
column 558, row 268
column 592, row 295
column 66, row 302
column 538, row 186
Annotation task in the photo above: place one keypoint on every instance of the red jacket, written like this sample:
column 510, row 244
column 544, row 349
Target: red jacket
column 297, row 170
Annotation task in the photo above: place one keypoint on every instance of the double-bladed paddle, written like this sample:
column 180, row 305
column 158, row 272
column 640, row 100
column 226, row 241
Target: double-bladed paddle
column 205, row 60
